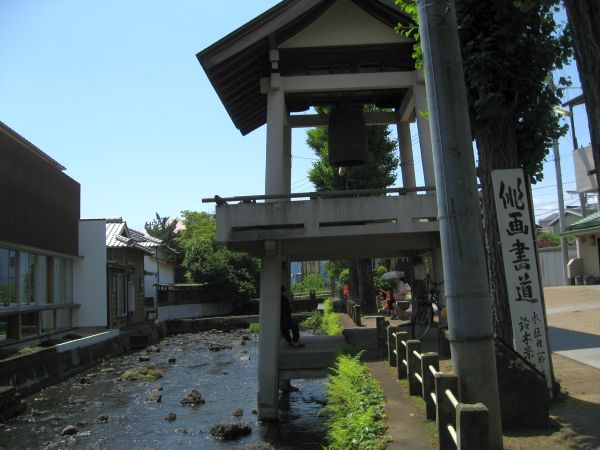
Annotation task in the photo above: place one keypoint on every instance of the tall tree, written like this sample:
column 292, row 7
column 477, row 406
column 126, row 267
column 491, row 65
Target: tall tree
column 378, row 172
column 163, row 228
column 223, row 273
column 508, row 49
column 584, row 17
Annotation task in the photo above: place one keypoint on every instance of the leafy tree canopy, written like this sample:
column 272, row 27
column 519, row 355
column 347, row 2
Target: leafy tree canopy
column 163, row 228
column 509, row 48
column 198, row 225
column 311, row 282
column 225, row 274
column 378, row 172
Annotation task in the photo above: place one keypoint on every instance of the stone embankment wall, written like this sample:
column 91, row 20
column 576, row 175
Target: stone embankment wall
column 30, row 373
column 229, row 323
column 220, row 323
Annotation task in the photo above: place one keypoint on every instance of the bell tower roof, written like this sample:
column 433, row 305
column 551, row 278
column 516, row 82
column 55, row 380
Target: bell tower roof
column 312, row 37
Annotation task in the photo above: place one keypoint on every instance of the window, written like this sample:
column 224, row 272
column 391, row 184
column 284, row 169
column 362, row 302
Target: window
column 119, row 285
column 66, row 280
column 8, row 277
column 62, row 280
column 3, row 328
column 27, row 274
column 50, row 279
column 29, row 324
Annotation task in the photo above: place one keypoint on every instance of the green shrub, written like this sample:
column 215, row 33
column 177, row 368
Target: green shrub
column 313, row 323
column 254, row 327
column 547, row 239
column 356, row 403
column 331, row 325
column 377, row 274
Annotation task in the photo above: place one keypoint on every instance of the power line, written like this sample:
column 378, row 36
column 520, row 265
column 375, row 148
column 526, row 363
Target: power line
column 299, row 181
column 551, row 185
column 305, row 157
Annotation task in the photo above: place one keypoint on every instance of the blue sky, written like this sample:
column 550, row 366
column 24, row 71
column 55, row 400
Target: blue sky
column 114, row 92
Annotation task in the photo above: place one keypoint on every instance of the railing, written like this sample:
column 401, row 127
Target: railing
column 311, row 295
column 353, row 310
column 460, row 426
column 313, row 195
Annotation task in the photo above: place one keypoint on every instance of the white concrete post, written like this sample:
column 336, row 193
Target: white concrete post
column 286, row 169
column 277, row 181
column 407, row 164
column 268, row 337
column 424, row 133
column 274, row 176
column 278, row 170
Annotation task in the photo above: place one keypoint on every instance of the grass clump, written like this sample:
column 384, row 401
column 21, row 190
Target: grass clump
column 254, row 327
column 313, row 323
column 356, row 403
column 331, row 321
column 327, row 323
column 142, row 374
column 29, row 350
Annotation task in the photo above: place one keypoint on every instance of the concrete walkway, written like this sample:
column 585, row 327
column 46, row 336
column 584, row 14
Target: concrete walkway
column 573, row 322
column 406, row 426
column 573, row 317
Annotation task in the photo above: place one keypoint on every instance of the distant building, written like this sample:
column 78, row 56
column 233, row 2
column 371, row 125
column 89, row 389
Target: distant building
column 39, row 240
column 551, row 223
column 159, row 267
column 125, row 272
column 587, row 231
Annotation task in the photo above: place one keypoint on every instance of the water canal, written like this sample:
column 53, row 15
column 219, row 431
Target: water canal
column 112, row 414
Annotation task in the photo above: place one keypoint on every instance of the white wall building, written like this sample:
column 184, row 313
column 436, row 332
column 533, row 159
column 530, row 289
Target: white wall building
column 89, row 275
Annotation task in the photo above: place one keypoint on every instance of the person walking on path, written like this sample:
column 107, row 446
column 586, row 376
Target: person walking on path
column 401, row 290
column 290, row 330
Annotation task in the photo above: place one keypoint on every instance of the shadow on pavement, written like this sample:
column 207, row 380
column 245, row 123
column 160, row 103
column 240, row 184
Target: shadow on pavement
column 580, row 419
column 563, row 339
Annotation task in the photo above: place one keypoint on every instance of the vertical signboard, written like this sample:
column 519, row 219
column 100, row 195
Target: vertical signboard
column 520, row 267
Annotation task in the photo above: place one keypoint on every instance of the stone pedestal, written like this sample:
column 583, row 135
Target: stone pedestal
column 524, row 397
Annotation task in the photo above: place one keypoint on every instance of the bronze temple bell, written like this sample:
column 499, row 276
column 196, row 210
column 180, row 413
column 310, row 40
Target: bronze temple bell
column 347, row 136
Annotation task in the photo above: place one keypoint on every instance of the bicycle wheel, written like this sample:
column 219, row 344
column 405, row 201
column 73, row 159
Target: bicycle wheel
column 422, row 322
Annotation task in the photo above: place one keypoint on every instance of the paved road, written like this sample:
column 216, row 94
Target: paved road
column 574, row 322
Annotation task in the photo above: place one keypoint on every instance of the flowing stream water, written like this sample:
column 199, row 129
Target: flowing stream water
column 112, row 414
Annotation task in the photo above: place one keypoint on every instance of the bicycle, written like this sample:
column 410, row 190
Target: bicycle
column 423, row 316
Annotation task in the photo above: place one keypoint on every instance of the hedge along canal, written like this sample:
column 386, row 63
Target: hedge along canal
column 108, row 413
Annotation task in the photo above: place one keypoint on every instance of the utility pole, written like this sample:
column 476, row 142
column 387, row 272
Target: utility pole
column 561, row 203
column 561, row 211
column 465, row 278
